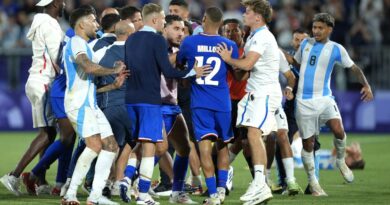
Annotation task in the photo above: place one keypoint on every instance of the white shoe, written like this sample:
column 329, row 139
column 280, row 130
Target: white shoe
column 345, row 171
column 69, row 199
column 316, row 189
column 148, row 201
column 221, row 194
column 181, row 198
column 212, row 201
column 153, row 194
column 44, row 189
column 65, row 187
column 101, row 201
column 12, row 183
column 256, row 193
column 229, row 182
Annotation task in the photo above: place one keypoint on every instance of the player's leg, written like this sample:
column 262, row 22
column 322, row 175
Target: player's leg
column 333, row 120
column 87, row 128
column 179, row 138
column 270, row 143
column 308, row 124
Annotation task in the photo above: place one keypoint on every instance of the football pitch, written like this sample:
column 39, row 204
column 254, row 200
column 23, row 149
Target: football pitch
column 371, row 185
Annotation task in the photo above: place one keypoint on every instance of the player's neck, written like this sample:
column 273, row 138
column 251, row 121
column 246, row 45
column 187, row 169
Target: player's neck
column 81, row 34
column 210, row 30
column 257, row 26
column 323, row 41
column 52, row 12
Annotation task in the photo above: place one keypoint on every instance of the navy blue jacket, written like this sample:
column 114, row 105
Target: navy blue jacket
column 146, row 55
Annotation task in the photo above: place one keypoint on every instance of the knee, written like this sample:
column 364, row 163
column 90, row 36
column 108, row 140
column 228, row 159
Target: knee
column 308, row 144
column 161, row 148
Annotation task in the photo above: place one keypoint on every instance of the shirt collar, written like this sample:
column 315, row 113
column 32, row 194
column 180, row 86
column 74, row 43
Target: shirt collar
column 119, row 43
column 108, row 35
column 148, row 28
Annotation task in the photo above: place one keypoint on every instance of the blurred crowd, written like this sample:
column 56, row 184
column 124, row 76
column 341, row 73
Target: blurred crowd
column 358, row 22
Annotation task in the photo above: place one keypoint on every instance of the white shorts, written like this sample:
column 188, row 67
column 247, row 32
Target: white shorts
column 281, row 119
column 88, row 121
column 311, row 114
column 38, row 94
column 255, row 110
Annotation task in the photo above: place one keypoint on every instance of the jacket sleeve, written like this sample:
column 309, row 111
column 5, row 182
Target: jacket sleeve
column 52, row 36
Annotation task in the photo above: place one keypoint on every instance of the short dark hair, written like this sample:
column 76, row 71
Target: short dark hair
column 78, row 14
column 128, row 12
column 214, row 14
column 109, row 20
column 189, row 27
column 261, row 7
column 235, row 21
column 324, row 18
column 169, row 19
column 181, row 3
column 299, row 30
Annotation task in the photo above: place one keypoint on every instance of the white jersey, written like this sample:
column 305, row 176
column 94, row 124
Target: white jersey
column 264, row 77
column 284, row 66
column 80, row 88
column 317, row 61
column 46, row 36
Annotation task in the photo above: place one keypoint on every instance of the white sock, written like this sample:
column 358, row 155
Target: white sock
column 146, row 173
column 289, row 168
column 132, row 162
column 267, row 174
column 232, row 157
column 308, row 163
column 259, row 174
column 82, row 166
column 102, row 171
column 340, row 147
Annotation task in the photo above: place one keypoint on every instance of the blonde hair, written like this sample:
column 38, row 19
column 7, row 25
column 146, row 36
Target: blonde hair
column 150, row 9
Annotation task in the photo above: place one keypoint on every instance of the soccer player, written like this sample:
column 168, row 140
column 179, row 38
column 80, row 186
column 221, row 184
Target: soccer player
column 108, row 24
column 315, row 104
column 46, row 36
column 87, row 119
column 210, row 101
column 111, row 93
column 256, row 110
column 133, row 15
column 143, row 97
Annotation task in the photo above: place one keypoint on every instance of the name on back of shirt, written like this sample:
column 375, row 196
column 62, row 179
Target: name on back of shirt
column 207, row 49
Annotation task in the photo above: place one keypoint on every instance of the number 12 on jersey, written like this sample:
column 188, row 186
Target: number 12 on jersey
column 208, row 79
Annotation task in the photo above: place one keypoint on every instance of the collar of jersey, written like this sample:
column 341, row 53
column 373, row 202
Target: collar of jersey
column 148, row 28
column 204, row 34
column 258, row 29
column 108, row 35
column 119, row 43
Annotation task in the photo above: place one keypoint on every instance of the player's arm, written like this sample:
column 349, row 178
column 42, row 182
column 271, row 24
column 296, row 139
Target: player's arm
column 290, row 59
column 246, row 63
column 288, row 90
column 119, row 80
column 366, row 90
column 53, row 40
column 240, row 75
column 95, row 69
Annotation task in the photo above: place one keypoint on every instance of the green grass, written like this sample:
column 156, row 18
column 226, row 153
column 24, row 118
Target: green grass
column 371, row 185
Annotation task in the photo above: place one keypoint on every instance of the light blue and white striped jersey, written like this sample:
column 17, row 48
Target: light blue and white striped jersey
column 317, row 62
column 80, row 88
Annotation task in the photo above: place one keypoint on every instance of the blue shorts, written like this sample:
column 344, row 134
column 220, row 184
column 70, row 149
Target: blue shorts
column 58, row 108
column 169, row 113
column 146, row 122
column 119, row 122
column 210, row 123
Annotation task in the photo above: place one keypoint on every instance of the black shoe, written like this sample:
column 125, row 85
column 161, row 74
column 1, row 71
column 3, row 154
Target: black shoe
column 107, row 192
column 163, row 189
column 307, row 190
column 188, row 188
column 206, row 193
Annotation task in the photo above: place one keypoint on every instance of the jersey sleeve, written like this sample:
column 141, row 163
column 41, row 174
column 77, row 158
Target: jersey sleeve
column 79, row 46
column 298, row 54
column 53, row 38
column 259, row 44
column 345, row 60
column 283, row 65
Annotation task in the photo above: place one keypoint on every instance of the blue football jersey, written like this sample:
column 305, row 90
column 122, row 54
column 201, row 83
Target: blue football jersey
column 212, row 91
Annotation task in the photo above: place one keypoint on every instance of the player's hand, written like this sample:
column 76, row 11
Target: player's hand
column 119, row 66
column 288, row 93
column 224, row 51
column 203, row 70
column 120, row 79
column 366, row 94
